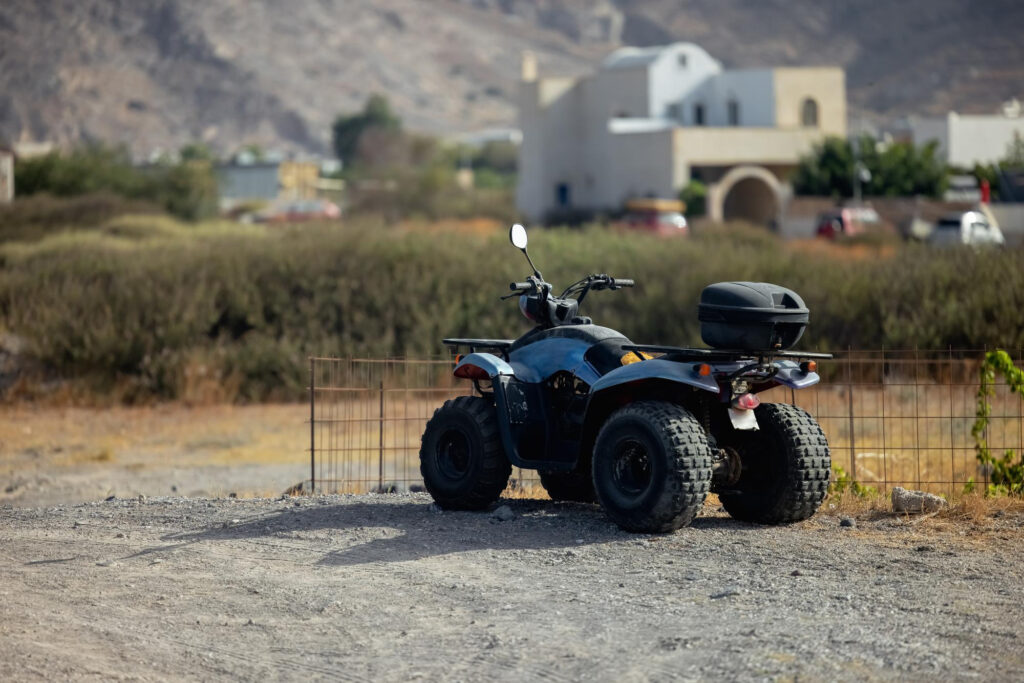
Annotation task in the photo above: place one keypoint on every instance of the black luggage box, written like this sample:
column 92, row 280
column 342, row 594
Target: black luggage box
column 751, row 316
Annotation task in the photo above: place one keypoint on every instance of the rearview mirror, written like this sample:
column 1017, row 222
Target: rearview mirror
column 517, row 234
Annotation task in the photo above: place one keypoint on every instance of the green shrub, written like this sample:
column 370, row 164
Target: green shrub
column 32, row 218
column 187, row 189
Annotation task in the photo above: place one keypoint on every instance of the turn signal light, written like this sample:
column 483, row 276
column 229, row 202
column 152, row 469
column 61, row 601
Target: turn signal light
column 809, row 366
column 458, row 358
column 703, row 369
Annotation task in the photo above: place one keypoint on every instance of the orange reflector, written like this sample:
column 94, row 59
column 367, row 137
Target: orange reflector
column 703, row 369
column 458, row 358
column 809, row 366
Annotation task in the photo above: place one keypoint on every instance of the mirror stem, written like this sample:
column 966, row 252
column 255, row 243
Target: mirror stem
column 536, row 273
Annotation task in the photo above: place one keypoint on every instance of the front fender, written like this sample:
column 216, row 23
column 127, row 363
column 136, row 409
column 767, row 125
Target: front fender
column 655, row 369
column 492, row 365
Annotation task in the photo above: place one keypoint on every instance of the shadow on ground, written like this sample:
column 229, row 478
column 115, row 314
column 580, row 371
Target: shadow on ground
column 402, row 531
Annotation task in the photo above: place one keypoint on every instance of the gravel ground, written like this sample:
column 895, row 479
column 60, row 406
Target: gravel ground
column 382, row 587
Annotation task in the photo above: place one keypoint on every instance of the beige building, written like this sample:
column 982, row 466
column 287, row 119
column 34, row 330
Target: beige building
column 650, row 120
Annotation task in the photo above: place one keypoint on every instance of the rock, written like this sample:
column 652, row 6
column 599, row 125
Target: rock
column 726, row 593
column 504, row 514
column 110, row 498
column 847, row 521
column 119, row 535
column 417, row 488
column 916, row 502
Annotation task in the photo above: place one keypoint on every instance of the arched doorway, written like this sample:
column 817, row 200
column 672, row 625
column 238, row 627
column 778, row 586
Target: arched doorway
column 746, row 193
column 751, row 200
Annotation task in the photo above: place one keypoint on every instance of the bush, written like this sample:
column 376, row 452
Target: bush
column 143, row 298
column 187, row 189
column 33, row 218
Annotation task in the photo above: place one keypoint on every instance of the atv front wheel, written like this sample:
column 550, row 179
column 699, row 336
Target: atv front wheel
column 576, row 486
column 652, row 467
column 461, row 457
column 785, row 467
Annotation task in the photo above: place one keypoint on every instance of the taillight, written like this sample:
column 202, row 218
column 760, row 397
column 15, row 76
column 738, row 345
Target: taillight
column 746, row 402
column 470, row 371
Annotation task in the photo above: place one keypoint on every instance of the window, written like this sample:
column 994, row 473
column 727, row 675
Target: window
column 698, row 114
column 673, row 111
column 682, row 60
column 734, row 113
column 563, row 195
column 809, row 113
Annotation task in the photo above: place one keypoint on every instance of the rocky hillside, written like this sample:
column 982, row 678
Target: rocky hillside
column 159, row 73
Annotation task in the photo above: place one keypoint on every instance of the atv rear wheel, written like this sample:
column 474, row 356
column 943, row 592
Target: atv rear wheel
column 652, row 467
column 461, row 457
column 785, row 467
column 576, row 486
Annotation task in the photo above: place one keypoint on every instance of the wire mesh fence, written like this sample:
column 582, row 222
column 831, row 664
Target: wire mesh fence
column 892, row 418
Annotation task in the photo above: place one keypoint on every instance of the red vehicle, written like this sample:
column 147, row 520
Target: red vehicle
column 658, row 216
column 299, row 211
column 847, row 222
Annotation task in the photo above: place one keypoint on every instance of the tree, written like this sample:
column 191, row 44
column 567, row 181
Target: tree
column 349, row 129
column 196, row 151
column 695, row 196
column 1014, row 160
column 897, row 169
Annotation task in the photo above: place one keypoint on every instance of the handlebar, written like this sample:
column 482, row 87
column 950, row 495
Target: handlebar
column 622, row 282
column 520, row 285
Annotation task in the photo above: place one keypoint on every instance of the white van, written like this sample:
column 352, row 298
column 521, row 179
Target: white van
column 969, row 227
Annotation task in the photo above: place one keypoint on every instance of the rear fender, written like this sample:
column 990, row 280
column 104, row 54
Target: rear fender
column 790, row 375
column 650, row 380
column 656, row 369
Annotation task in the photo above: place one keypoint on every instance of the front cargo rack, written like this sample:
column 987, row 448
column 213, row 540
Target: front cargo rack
column 474, row 344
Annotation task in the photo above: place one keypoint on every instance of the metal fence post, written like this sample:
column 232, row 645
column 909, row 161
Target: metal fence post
column 312, row 425
column 849, row 405
column 380, row 442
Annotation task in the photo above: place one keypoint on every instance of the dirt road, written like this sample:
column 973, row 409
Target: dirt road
column 387, row 588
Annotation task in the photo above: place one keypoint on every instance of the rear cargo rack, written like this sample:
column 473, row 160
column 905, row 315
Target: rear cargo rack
column 719, row 355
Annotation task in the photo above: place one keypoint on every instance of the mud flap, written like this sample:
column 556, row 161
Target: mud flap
column 743, row 420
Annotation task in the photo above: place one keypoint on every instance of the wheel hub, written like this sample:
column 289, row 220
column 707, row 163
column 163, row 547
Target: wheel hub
column 631, row 468
column 453, row 454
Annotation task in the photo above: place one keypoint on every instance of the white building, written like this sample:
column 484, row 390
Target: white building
column 964, row 139
column 651, row 119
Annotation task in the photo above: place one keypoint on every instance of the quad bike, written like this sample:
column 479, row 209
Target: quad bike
column 646, row 431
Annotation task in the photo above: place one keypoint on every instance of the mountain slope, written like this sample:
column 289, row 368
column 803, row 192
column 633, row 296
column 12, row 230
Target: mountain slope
column 158, row 73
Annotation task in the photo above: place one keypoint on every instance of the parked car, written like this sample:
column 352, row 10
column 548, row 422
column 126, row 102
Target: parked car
column 847, row 222
column 658, row 216
column 298, row 211
column 970, row 227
